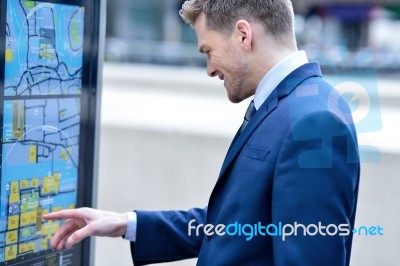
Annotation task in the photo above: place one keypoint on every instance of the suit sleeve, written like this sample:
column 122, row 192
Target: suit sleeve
column 316, row 182
column 163, row 236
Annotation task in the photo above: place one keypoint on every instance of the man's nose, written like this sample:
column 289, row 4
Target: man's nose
column 211, row 71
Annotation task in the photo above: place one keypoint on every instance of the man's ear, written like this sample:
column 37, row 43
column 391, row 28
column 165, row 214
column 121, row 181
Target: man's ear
column 244, row 33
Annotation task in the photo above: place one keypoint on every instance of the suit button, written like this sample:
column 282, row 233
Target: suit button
column 209, row 237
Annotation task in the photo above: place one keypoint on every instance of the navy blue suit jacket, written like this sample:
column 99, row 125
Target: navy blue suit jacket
column 296, row 161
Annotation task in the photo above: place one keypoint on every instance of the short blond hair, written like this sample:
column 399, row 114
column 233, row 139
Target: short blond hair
column 277, row 16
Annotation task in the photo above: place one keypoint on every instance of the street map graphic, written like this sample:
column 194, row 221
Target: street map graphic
column 41, row 123
column 43, row 48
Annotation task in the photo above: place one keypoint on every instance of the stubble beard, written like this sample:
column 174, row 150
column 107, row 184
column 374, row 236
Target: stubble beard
column 234, row 87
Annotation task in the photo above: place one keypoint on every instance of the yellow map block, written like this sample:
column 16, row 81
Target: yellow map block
column 71, row 206
column 46, row 51
column 43, row 244
column 26, row 232
column 13, row 222
column 64, row 155
column 54, row 228
column 11, row 252
column 32, row 153
column 18, row 124
column 28, row 218
column 27, row 247
column 46, row 189
column 39, row 213
column 45, row 228
column 29, row 4
column 56, row 177
column 9, row 55
column 24, row 184
column 11, row 237
column 51, row 184
column 35, row 182
column 14, row 195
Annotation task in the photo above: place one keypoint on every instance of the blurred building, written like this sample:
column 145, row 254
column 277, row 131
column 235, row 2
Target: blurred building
column 355, row 33
column 150, row 31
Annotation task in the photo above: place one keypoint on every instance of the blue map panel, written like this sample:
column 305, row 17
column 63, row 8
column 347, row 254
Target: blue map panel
column 44, row 49
column 41, row 123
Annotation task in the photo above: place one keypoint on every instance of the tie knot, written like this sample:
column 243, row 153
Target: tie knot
column 251, row 110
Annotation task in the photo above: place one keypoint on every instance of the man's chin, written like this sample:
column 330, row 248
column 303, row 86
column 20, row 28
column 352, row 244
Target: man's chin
column 234, row 98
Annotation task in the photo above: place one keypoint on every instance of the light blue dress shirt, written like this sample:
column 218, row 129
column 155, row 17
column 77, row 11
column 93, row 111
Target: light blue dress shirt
column 269, row 82
column 278, row 73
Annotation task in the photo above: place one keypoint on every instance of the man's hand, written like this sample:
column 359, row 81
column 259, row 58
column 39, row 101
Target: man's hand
column 85, row 222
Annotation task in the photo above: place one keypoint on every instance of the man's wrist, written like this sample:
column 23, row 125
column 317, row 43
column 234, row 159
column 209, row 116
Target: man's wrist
column 122, row 224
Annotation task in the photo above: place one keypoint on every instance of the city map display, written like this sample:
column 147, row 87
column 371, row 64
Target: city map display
column 43, row 48
column 41, row 125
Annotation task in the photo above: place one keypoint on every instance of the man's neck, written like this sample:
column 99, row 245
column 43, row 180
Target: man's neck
column 266, row 60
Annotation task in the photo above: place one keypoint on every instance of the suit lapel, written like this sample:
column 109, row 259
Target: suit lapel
column 241, row 138
column 282, row 90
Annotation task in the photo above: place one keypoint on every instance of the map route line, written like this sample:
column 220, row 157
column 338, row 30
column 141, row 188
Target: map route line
column 69, row 36
column 29, row 71
column 7, row 30
column 37, row 83
column 44, row 128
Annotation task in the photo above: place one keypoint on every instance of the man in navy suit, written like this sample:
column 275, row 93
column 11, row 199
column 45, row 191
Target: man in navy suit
column 287, row 190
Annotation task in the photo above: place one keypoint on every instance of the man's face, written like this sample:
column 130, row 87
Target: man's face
column 225, row 59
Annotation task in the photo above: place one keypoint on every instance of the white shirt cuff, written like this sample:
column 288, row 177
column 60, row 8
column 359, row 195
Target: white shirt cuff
column 131, row 228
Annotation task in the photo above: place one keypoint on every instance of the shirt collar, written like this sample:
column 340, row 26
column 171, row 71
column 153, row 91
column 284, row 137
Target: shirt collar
column 277, row 74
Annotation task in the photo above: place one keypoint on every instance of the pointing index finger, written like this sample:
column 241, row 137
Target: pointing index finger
column 64, row 214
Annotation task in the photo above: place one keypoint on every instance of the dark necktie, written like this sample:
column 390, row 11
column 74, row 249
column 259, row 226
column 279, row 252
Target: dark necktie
column 251, row 110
